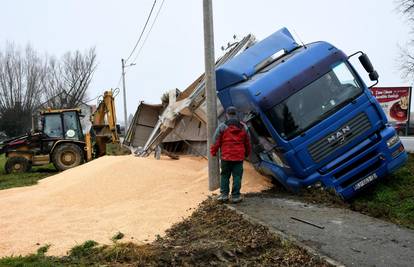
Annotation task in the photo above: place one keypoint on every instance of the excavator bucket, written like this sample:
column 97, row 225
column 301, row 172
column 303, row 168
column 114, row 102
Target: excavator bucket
column 117, row 149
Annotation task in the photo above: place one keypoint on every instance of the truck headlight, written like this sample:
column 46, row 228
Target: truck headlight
column 393, row 140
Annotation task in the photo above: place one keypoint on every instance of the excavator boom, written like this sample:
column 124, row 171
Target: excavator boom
column 105, row 128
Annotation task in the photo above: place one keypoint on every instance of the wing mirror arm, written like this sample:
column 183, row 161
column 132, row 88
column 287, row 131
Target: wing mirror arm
column 366, row 63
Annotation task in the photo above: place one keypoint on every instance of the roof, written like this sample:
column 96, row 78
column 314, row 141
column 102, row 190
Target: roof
column 49, row 111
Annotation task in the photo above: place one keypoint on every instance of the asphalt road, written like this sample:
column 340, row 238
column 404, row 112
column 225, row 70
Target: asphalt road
column 408, row 143
column 346, row 236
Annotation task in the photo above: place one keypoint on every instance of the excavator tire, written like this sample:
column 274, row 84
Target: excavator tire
column 67, row 156
column 17, row 165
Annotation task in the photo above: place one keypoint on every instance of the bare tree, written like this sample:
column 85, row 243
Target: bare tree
column 406, row 58
column 29, row 83
column 21, row 76
column 67, row 80
column 406, row 61
column 406, row 7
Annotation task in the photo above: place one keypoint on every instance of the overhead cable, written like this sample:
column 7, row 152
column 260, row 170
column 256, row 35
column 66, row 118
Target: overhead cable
column 149, row 31
column 142, row 32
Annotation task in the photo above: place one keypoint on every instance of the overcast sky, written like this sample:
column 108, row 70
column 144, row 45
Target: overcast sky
column 173, row 54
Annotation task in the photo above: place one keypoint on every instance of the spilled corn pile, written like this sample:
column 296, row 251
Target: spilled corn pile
column 140, row 197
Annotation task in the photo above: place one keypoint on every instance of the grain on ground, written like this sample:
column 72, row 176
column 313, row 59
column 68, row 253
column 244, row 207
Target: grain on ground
column 140, row 197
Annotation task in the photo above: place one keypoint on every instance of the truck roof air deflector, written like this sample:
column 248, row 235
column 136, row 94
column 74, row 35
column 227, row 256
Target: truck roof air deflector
column 245, row 65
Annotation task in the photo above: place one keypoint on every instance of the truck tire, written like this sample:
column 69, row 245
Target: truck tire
column 66, row 156
column 17, row 165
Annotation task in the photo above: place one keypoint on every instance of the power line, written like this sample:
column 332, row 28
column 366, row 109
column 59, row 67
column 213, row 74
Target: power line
column 92, row 99
column 149, row 31
column 142, row 32
column 145, row 40
column 119, row 81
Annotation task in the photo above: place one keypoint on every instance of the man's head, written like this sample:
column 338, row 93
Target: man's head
column 231, row 112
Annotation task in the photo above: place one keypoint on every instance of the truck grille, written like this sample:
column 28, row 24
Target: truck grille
column 339, row 138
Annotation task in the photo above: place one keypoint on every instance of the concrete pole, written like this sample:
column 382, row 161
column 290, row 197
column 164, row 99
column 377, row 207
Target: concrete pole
column 124, row 93
column 211, row 96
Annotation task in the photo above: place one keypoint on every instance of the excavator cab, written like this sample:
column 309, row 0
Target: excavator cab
column 63, row 124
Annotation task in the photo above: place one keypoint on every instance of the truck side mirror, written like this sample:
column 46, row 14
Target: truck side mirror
column 373, row 76
column 366, row 63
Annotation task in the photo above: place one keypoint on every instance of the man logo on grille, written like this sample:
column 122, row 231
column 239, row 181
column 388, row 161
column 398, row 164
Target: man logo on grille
column 339, row 136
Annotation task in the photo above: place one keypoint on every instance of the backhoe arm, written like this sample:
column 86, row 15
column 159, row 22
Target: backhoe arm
column 104, row 118
column 104, row 126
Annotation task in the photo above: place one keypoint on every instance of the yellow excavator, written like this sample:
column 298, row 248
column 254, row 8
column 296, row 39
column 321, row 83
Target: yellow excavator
column 61, row 140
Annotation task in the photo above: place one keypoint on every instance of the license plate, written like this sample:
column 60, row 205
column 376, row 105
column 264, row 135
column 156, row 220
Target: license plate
column 365, row 181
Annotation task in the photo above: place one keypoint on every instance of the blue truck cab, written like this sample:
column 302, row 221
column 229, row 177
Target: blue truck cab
column 312, row 119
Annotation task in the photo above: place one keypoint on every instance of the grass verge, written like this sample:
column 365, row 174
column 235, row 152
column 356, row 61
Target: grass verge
column 212, row 236
column 23, row 179
column 392, row 199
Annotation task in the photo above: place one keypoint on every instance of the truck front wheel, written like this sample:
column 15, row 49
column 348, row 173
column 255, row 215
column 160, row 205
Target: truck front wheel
column 67, row 156
column 17, row 165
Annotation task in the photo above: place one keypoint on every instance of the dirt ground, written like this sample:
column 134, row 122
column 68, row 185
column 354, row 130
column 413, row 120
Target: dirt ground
column 140, row 197
column 217, row 236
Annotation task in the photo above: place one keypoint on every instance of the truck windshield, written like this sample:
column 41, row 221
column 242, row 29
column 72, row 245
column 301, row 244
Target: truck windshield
column 315, row 102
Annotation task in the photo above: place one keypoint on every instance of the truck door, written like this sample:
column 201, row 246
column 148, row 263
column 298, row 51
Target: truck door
column 264, row 147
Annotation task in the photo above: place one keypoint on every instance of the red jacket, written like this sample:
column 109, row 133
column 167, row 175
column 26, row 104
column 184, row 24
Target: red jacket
column 232, row 137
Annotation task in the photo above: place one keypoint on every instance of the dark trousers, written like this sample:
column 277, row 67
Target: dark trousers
column 229, row 168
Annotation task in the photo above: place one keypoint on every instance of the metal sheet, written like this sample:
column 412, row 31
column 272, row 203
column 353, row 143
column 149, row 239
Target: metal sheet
column 190, row 129
column 144, row 121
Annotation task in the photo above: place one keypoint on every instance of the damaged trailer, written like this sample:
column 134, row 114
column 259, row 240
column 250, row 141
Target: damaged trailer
column 179, row 126
column 187, row 137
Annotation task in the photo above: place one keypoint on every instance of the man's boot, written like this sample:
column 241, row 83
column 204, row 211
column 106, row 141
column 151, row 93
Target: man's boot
column 236, row 199
column 223, row 198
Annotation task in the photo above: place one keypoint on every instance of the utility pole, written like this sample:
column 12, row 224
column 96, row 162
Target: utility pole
column 124, row 93
column 211, row 95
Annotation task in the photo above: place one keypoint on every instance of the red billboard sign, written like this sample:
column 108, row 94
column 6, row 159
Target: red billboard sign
column 395, row 101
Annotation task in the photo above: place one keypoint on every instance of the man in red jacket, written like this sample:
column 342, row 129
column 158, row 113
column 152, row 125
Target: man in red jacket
column 232, row 138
